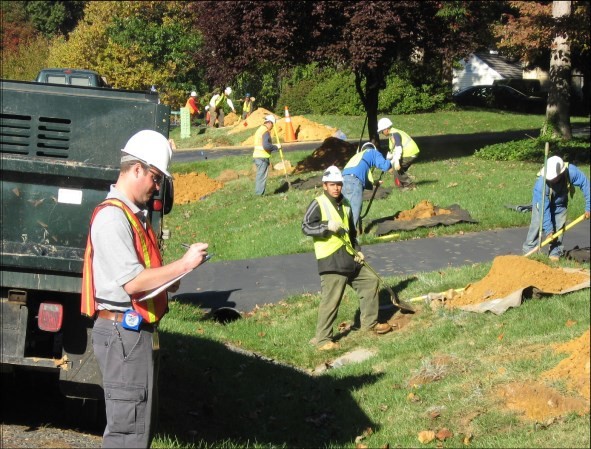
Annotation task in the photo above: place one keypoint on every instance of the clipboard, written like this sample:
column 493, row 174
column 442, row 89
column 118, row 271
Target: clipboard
column 163, row 287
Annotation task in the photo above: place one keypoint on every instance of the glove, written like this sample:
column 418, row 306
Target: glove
column 397, row 152
column 279, row 147
column 359, row 257
column 389, row 156
column 397, row 166
column 335, row 227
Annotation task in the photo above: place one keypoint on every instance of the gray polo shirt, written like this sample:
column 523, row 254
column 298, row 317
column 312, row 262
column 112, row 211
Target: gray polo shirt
column 115, row 261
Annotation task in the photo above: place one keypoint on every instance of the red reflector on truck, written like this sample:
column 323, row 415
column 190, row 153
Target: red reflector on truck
column 157, row 206
column 50, row 316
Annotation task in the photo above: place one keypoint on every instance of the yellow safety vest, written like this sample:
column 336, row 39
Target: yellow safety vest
column 354, row 162
column 409, row 146
column 324, row 247
column 259, row 152
column 247, row 106
column 219, row 101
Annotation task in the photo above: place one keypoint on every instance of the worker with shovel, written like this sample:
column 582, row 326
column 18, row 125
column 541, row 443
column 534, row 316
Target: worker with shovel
column 404, row 149
column 328, row 220
column 561, row 180
column 263, row 147
column 357, row 175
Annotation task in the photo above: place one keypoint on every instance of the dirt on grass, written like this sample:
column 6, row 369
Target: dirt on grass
column 191, row 187
column 425, row 209
column 511, row 273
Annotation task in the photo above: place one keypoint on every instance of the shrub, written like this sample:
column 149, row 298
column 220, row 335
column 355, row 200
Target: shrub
column 402, row 97
column 575, row 150
column 336, row 94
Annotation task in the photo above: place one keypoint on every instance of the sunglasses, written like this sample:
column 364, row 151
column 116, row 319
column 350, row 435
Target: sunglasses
column 157, row 178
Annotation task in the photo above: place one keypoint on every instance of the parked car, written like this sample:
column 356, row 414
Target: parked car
column 73, row 77
column 500, row 97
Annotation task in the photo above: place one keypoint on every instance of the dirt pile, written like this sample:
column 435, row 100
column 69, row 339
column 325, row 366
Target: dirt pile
column 333, row 151
column 425, row 209
column 253, row 121
column 575, row 368
column 231, row 119
column 191, row 187
column 511, row 273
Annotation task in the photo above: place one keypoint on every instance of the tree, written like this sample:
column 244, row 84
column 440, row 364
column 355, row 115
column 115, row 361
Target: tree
column 52, row 18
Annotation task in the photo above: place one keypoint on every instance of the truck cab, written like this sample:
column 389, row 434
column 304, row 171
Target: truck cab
column 72, row 77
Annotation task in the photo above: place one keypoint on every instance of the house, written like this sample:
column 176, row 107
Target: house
column 485, row 68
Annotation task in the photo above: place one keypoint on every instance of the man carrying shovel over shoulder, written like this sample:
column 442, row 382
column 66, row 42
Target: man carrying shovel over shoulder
column 263, row 147
column 329, row 222
column 561, row 180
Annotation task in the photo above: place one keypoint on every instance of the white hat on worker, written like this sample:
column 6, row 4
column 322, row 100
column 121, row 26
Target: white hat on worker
column 384, row 123
column 150, row 147
column 270, row 118
column 554, row 167
column 193, row 94
column 332, row 174
column 228, row 90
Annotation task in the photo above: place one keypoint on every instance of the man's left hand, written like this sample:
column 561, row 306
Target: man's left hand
column 397, row 166
column 174, row 287
column 359, row 257
column 587, row 215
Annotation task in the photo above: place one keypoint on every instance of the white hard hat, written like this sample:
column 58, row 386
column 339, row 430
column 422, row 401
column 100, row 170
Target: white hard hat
column 150, row 147
column 228, row 90
column 332, row 174
column 193, row 94
column 270, row 118
column 554, row 168
column 384, row 123
column 367, row 145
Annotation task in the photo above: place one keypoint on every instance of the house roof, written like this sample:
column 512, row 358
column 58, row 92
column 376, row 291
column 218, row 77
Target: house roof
column 502, row 65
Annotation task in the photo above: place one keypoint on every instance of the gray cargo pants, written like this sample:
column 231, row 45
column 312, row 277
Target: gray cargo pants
column 333, row 285
column 129, row 364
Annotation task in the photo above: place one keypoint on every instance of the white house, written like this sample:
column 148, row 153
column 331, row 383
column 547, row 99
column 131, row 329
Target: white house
column 484, row 68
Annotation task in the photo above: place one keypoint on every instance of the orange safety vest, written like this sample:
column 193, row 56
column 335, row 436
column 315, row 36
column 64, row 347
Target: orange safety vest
column 146, row 247
column 192, row 105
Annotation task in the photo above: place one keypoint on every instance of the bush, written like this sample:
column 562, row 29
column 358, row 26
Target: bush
column 575, row 150
column 336, row 94
column 296, row 97
column 401, row 97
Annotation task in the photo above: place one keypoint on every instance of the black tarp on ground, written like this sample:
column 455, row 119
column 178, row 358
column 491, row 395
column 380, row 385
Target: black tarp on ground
column 457, row 215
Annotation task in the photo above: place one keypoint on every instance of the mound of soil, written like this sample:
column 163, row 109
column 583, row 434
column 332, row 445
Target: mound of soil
column 425, row 209
column 333, row 151
column 511, row 273
column 191, row 187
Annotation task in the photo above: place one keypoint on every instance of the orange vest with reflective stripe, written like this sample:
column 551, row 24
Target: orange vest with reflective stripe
column 146, row 247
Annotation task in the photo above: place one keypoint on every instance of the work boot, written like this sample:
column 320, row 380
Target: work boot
column 554, row 258
column 329, row 346
column 381, row 328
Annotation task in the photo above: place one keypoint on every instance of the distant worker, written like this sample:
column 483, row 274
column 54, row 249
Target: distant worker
column 357, row 175
column 404, row 150
column 263, row 147
column 122, row 262
column 561, row 180
column 193, row 105
column 247, row 105
column 328, row 220
column 216, row 109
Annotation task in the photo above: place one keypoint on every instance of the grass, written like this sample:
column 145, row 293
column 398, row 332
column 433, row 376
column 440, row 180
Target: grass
column 250, row 383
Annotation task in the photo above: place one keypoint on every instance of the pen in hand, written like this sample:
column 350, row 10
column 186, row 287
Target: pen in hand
column 209, row 256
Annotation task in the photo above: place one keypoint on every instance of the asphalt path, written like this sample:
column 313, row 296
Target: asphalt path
column 244, row 284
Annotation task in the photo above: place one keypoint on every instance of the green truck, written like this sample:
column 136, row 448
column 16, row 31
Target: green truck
column 60, row 151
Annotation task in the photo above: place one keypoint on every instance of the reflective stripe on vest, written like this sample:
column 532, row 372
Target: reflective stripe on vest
column 219, row 101
column 247, row 106
column 354, row 162
column 324, row 247
column 259, row 152
column 146, row 247
column 409, row 146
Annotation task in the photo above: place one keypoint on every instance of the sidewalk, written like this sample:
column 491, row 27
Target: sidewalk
column 243, row 284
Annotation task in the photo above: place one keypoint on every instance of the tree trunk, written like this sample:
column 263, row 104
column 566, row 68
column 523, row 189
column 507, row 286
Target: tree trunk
column 369, row 97
column 558, row 108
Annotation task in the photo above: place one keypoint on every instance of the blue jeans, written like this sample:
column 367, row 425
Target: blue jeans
column 558, row 222
column 353, row 191
column 262, row 165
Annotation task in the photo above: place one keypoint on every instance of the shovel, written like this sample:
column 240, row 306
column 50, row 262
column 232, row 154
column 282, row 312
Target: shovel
column 287, row 184
column 555, row 235
column 393, row 296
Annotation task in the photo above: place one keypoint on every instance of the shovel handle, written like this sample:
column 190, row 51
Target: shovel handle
column 557, row 234
column 280, row 151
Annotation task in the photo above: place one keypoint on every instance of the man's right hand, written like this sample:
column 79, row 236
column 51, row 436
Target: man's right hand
column 335, row 227
column 195, row 254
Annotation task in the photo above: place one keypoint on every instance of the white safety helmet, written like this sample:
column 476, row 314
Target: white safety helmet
column 554, row 168
column 384, row 123
column 228, row 91
column 332, row 174
column 150, row 147
column 193, row 94
column 367, row 146
column 270, row 118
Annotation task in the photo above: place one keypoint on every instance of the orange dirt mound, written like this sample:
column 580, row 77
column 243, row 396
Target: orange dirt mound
column 511, row 273
column 333, row 151
column 193, row 187
column 253, row 121
column 425, row 209
column 231, row 119
column 574, row 368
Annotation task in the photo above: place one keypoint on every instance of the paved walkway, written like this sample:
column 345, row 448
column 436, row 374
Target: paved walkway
column 243, row 284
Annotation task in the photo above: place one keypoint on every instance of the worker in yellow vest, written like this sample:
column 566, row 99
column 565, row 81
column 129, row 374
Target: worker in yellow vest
column 404, row 150
column 247, row 105
column 329, row 221
column 263, row 147
column 216, row 107
column 122, row 262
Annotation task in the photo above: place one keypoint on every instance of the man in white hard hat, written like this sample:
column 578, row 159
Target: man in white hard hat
column 193, row 106
column 404, row 151
column 263, row 147
column 122, row 263
column 216, row 109
column 329, row 221
column 561, row 180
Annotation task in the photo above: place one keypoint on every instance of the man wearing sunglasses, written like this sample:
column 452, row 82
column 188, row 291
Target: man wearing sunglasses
column 122, row 264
